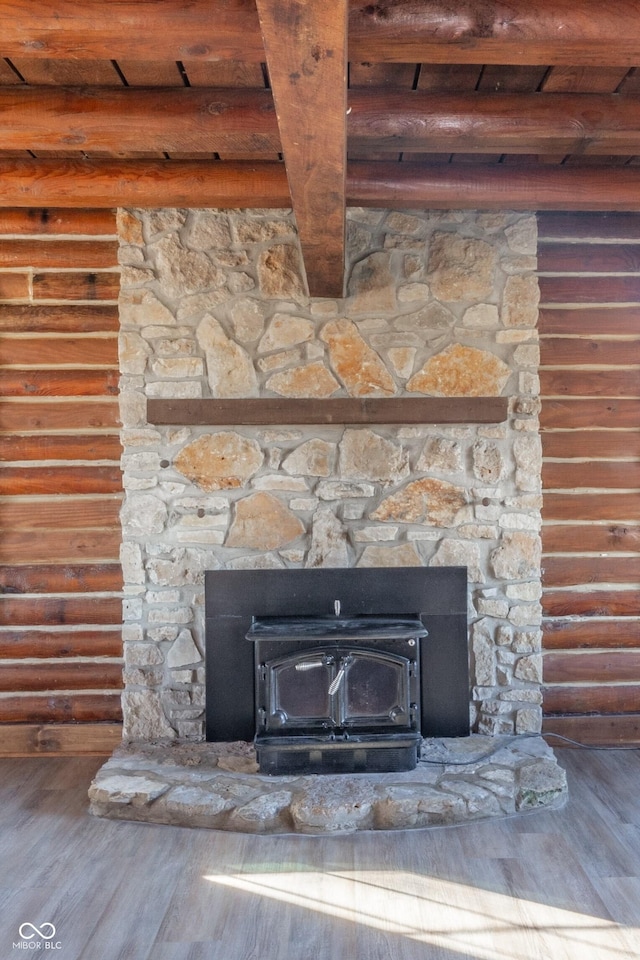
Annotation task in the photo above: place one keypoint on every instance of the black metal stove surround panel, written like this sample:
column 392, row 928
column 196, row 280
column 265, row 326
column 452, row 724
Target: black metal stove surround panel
column 361, row 623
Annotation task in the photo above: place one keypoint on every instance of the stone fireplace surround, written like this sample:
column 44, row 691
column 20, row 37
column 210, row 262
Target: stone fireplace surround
column 438, row 303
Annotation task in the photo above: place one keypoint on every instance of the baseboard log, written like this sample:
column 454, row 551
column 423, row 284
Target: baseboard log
column 59, row 739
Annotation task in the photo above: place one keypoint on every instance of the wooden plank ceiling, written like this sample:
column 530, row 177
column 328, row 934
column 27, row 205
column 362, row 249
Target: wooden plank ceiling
column 522, row 104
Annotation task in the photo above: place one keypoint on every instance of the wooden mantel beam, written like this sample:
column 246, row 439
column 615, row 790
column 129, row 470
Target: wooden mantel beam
column 306, row 48
column 334, row 410
column 204, row 120
column 547, row 32
column 193, row 183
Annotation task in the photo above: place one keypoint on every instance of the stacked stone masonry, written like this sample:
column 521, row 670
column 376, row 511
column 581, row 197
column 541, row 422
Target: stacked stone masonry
column 439, row 304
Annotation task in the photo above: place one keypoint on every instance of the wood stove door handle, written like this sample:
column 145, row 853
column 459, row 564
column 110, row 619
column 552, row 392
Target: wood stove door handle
column 337, row 680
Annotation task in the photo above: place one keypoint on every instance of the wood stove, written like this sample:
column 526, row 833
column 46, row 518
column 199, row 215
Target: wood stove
column 336, row 694
column 337, row 670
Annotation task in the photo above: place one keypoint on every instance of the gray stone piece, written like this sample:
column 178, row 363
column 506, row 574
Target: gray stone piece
column 328, row 540
column 217, row 786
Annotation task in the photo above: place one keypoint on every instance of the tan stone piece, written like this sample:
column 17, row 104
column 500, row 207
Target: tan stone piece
column 522, row 236
column 402, row 359
column 133, row 352
column 460, row 371
column 311, row 459
column 144, row 717
column 376, row 555
column 423, row 501
column 252, row 230
column 518, row 557
column 209, row 231
column 459, row 553
column 279, row 272
column 365, row 455
column 263, row 522
column 129, row 227
column 284, row 331
column 429, row 322
column 219, row 461
column 247, row 317
column 140, row 308
column 229, row 368
column 440, row 453
column 183, row 271
column 358, row 366
column 460, row 268
column 311, row 380
column 328, row 540
column 521, row 299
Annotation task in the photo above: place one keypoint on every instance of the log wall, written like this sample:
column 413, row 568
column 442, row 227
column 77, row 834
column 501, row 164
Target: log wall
column 590, row 385
column 60, row 483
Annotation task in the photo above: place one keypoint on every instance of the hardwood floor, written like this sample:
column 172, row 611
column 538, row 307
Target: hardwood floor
column 561, row 885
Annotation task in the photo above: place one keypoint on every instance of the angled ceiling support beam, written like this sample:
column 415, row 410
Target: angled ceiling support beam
column 306, row 47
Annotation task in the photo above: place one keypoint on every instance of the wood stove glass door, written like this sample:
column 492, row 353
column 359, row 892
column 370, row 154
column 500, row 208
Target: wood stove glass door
column 336, row 687
column 298, row 692
column 375, row 690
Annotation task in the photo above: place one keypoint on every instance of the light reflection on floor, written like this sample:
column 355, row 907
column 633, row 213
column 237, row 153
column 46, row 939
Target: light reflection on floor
column 453, row 916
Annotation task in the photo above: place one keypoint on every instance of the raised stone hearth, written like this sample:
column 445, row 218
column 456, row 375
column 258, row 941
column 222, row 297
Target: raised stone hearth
column 216, row 785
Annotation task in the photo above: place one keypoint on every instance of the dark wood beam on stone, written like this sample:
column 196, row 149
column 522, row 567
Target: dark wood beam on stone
column 340, row 410
column 306, row 48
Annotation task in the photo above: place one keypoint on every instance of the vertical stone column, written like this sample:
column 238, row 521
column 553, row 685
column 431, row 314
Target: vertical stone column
column 441, row 304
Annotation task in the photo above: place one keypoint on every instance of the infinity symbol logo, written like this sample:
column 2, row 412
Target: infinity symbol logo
column 35, row 932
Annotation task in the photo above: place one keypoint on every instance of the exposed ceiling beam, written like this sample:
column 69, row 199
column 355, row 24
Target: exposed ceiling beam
column 551, row 123
column 132, row 119
column 546, row 32
column 199, row 120
column 493, row 186
column 143, row 183
column 306, row 48
column 131, row 30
